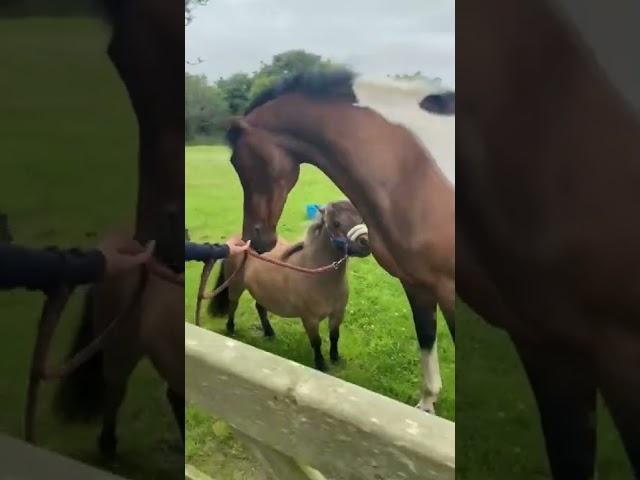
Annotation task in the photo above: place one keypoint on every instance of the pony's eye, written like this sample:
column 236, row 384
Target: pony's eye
column 336, row 224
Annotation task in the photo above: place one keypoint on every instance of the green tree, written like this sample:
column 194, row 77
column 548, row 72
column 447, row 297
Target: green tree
column 235, row 90
column 205, row 109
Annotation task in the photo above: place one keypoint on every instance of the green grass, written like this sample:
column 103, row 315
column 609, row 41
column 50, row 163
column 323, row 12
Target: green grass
column 378, row 341
column 68, row 163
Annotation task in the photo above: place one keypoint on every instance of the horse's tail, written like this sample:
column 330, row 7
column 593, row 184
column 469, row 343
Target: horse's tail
column 219, row 305
column 80, row 395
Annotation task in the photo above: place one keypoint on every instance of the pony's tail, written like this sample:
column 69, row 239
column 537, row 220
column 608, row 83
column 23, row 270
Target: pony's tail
column 219, row 305
column 80, row 395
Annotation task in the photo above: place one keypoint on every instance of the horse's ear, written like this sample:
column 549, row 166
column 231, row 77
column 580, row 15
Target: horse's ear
column 440, row 104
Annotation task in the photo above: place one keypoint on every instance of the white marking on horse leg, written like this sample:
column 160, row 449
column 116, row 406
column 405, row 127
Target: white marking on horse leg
column 431, row 380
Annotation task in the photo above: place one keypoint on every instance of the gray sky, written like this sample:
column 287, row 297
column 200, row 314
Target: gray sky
column 375, row 37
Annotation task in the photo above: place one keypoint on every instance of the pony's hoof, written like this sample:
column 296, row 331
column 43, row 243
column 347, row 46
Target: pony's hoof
column 270, row 335
column 427, row 407
column 337, row 359
column 107, row 445
column 231, row 330
column 321, row 365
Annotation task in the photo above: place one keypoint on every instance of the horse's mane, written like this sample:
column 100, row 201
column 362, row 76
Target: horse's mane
column 332, row 84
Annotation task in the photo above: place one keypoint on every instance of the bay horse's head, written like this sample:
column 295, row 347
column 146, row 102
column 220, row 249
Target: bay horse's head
column 265, row 161
column 267, row 174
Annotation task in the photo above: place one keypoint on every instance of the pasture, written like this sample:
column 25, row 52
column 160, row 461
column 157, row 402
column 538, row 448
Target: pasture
column 69, row 146
column 378, row 343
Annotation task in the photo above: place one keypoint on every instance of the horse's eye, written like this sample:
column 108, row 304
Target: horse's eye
column 336, row 224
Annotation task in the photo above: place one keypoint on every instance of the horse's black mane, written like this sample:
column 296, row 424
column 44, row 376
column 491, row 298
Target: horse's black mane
column 335, row 83
column 331, row 84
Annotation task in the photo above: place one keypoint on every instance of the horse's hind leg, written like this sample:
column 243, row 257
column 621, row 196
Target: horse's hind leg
column 423, row 308
column 264, row 321
column 620, row 385
column 335, row 320
column 177, row 406
column 311, row 327
column 564, row 387
column 446, row 294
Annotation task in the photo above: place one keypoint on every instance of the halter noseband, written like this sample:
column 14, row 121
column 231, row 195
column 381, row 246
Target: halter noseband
column 343, row 243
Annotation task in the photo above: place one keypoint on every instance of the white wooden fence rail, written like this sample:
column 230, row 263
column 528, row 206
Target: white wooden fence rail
column 304, row 425
column 22, row 461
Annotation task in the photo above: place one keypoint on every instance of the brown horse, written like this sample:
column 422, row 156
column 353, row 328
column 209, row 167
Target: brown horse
column 147, row 50
column 337, row 231
column 547, row 222
column 405, row 199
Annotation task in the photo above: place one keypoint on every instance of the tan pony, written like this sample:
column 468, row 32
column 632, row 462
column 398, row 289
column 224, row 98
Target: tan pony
column 336, row 233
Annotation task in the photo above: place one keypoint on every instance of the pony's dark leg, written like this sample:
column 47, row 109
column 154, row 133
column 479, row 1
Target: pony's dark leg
column 311, row 327
column 264, row 321
column 335, row 320
column 423, row 308
column 118, row 369
column 565, row 391
column 177, row 406
column 231, row 319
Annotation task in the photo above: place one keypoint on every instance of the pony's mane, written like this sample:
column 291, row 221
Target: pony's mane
column 312, row 230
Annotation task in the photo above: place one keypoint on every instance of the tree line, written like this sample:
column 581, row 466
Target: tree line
column 209, row 106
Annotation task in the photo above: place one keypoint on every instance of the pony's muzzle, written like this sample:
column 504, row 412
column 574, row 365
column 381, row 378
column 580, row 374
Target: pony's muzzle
column 358, row 238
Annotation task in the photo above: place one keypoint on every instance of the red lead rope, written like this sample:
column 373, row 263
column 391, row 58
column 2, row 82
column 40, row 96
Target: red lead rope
column 208, row 266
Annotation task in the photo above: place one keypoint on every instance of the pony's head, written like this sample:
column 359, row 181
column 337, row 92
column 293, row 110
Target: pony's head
column 345, row 228
column 267, row 173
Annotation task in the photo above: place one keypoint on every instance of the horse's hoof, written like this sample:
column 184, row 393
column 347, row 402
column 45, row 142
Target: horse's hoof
column 107, row 445
column 231, row 330
column 321, row 365
column 270, row 335
column 337, row 359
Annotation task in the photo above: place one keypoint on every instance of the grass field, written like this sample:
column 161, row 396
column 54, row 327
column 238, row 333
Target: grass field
column 67, row 170
column 377, row 340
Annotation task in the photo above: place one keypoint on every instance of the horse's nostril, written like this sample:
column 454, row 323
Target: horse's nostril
column 363, row 242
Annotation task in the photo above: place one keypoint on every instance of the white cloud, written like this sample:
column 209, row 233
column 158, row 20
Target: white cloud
column 374, row 36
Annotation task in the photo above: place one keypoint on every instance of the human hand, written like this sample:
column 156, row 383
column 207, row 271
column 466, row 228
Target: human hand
column 122, row 253
column 237, row 246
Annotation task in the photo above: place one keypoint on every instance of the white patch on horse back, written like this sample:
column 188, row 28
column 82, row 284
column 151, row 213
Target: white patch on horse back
column 398, row 101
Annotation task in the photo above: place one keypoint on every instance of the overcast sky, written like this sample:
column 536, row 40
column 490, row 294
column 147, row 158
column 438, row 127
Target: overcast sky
column 376, row 37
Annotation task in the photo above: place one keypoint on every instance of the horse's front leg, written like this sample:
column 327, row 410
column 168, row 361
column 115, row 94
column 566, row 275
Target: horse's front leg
column 564, row 387
column 423, row 308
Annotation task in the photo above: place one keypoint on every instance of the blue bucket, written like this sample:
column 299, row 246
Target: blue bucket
column 312, row 210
